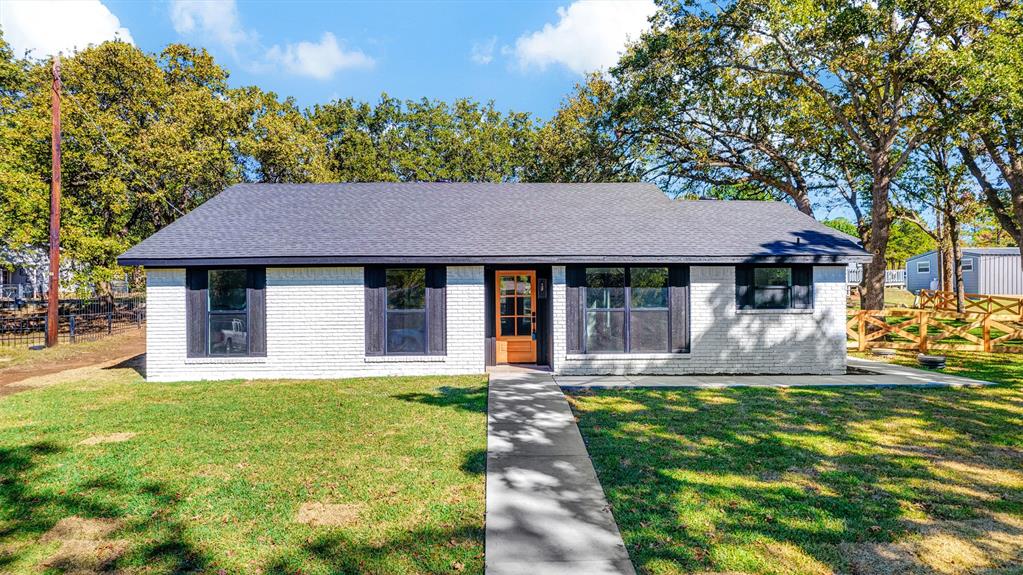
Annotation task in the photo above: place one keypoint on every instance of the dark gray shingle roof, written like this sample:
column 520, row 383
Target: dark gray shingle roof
column 449, row 222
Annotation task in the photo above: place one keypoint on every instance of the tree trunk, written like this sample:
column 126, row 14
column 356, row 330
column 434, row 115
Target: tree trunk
column 880, row 227
column 957, row 257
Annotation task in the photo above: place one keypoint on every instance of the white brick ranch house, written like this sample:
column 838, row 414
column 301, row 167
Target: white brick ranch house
column 341, row 280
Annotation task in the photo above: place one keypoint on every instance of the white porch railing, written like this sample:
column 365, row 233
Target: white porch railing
column 892, row 278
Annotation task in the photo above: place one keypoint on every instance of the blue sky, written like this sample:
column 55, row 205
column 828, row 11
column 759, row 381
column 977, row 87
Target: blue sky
column 523, row 55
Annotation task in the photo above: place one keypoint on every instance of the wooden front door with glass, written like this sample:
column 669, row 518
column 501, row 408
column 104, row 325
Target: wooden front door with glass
column 516, row 316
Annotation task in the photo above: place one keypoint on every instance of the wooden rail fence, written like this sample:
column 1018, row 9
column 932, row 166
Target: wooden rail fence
column 928, row 330
column 999, row 306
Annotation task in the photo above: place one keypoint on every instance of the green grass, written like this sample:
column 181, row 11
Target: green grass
column 893, row 297
column 217, row 471
column 995, row 367
column 815, row 480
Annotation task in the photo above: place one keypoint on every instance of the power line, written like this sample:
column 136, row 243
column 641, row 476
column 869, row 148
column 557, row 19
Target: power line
column 120, row 158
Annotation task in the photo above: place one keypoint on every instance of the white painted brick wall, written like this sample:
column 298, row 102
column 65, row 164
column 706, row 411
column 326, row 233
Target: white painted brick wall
column 315, row 329
column 724, row 340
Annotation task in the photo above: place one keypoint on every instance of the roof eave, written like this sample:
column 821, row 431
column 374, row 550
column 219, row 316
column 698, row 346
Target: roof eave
column 821, row 259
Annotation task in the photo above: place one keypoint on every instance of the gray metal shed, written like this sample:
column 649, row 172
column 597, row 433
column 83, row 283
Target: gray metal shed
column 988, row 271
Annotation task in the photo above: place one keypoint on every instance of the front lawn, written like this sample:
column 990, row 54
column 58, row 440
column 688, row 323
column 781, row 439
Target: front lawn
column 922, row 481
column 345, row 476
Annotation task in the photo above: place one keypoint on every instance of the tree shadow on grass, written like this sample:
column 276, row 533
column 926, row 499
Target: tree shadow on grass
column 30, row 506
column 465, row 398
column 694, row 475
column 424, row 550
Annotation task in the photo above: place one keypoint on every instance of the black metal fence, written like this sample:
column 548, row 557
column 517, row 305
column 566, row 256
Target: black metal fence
column 77, row 320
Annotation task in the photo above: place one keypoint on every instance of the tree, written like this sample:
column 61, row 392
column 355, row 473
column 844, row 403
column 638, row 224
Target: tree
column 582, row 142
column 146, row 138
column 986, row 105
column 424, row 140
column 848, row 64
column 937, row 182
column 708, row 127
column 278, row 142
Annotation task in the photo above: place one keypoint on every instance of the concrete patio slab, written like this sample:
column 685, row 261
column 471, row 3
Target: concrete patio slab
column 871, row 374
column 546, row 512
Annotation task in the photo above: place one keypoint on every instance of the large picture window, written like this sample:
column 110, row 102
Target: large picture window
column 227, row 317
column 406, row 311
column 627, row 309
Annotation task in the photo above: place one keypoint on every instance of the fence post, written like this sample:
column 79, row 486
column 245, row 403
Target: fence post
column 923, row 331
column 71, row 325
column 861, row 329
column 110, row 322
column 987, row 333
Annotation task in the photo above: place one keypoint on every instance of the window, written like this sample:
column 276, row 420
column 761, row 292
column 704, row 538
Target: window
column 967, row 264
column 772, row 288
column 227, row 313
column 406, row 311
column 923, row 267
column 626, row 310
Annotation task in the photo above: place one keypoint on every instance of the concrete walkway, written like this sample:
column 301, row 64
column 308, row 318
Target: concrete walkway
column 546, row 511
column 880, row 374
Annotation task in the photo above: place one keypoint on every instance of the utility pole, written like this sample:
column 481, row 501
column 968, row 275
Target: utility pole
column 53, row 297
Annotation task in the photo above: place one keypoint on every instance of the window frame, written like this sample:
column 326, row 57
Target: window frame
column 252, row 278
column 424, row 311
column 923, row 263
column 788, row 289
column 626, row 310
column 969, row 261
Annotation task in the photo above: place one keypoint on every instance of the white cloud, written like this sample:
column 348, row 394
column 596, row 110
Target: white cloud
column 45, row 28
column 318, row 60
column 483, row 52
column 216, row 20
column 588, row 36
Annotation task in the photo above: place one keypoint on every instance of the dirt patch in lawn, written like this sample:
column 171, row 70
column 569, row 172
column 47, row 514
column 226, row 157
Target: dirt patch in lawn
column 84, row 545
column 946, row 547
column 122, row 350
column 329, row 514
column 108, row 438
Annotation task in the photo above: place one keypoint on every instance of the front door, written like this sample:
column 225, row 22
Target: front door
column 516, row 316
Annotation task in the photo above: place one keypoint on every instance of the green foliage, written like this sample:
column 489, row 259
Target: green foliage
column 424, row 140
column 907, row 240
column 843, row 225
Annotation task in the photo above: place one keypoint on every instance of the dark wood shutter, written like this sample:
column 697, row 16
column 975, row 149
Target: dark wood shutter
column 802, row 287
column 575, row 279
column 376, row 299
column 678, row 293
column 257, row 312
column 195, row 311
column 436, row 309
column 744, row 287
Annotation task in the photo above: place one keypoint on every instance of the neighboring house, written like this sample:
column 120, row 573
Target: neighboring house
column 337, row 280
column 988, row 271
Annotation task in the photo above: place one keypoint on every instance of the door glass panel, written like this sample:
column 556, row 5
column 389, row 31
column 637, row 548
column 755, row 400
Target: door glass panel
column 507, row 326
column 523, row 306
column 508, row 305
column 507, row 285
column 522, row 285
column 525, row 326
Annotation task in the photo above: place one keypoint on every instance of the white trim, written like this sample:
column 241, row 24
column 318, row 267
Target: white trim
column 778, row 311
column 625, row 356
column 228, row 360
column 924, row 263
column 967, row 261
column 405, row 358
